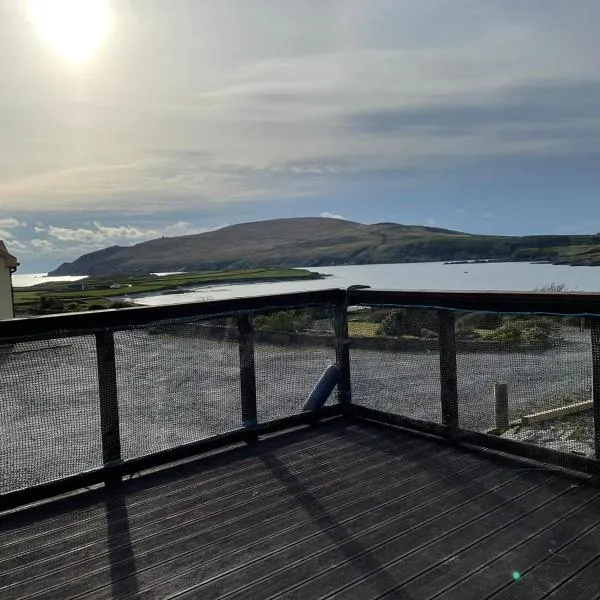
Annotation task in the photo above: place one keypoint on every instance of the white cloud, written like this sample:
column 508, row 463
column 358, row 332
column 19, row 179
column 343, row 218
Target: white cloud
column 329, row 215
column 101, row 234
column 62, row 242
column 65, row 234
column 70, row 242
column 11, row 223
column 16, row 245
column 42, row 245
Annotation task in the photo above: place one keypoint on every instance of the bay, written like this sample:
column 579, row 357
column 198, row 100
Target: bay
column 407, row 276
column 22, row 280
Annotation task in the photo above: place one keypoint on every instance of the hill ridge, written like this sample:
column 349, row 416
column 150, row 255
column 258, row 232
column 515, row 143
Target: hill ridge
column 320, row 241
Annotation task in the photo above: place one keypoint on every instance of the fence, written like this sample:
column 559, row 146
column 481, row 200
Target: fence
column 538, row 368
column 91, row 397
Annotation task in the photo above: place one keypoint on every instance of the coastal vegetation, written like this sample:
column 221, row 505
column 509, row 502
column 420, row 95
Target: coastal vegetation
column 98, row 293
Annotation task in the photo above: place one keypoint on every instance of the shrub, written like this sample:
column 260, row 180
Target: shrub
column 577, row 322
column 96, row 307
column 393, row 324
column 552, row 287
column 120, row 304
column 478, row 320
column 546, row 324
column 402, row 321
column 535, row 336
column 521, row 332
column 48, row 304
column 374, row 315
column 509, row 332
column 74, row 307
column 287, row 321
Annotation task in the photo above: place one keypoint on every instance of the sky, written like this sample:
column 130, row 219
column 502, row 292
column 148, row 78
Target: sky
column 181, row 116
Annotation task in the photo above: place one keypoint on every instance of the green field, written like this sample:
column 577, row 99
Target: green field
column 363, row 329
column 99, row 292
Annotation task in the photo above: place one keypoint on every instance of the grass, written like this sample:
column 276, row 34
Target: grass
column 362, row 329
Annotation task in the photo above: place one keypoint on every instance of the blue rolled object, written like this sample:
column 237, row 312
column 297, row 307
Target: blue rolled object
column 322, row 389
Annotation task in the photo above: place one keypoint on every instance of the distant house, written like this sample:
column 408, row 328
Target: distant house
column 8, row 265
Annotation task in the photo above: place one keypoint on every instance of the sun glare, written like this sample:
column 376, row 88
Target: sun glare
column 73, row 28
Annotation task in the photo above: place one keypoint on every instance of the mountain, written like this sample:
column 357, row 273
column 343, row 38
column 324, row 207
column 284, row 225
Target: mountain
column 315, row 241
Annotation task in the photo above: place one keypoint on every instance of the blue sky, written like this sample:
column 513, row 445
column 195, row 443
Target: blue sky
column 478, row 115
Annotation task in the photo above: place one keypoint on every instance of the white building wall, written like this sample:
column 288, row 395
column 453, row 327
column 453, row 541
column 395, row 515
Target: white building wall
column 6, row 305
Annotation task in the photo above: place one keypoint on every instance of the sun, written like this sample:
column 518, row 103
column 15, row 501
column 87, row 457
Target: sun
column 73, row 28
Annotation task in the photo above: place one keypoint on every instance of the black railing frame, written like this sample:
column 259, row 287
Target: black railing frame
column 103, row 324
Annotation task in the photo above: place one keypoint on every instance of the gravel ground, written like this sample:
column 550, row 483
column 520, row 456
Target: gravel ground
column 174, row 390
column 574, row 433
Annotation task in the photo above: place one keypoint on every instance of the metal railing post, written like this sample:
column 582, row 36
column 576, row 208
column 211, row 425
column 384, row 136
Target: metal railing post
column 342, row 353
column 448, row 371
column 595, row 335
column 247, row 371
column 109, row 404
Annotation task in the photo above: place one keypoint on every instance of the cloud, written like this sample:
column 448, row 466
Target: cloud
column 287, row 110
column 329, row 215
column 64, row 241
column 42, row 246
column 70, row 242
column 533, row 103
column 102, row 235
column 161, row 182
column 11, row 223
column 16, row 246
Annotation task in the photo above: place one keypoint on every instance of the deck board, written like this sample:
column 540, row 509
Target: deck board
column 343, row 510
column 522, row 551
column 584, row 584
column 182, row 510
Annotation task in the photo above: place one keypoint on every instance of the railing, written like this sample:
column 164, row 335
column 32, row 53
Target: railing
column 583, row 353
column 90, row 398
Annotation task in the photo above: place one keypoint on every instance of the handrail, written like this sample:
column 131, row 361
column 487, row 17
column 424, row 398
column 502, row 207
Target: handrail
column 82, row 323
column 562, row 303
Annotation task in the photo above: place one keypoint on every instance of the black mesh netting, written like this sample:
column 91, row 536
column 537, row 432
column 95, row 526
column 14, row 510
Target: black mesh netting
column 291, row 356
column 49, row 411
column 177, row 382
column 544, row 361
column 394, row 361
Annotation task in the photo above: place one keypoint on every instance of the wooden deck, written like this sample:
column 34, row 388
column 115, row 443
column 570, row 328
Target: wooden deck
column 344, row 510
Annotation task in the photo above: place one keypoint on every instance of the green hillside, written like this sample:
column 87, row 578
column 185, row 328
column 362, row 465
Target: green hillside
column 316, row 241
